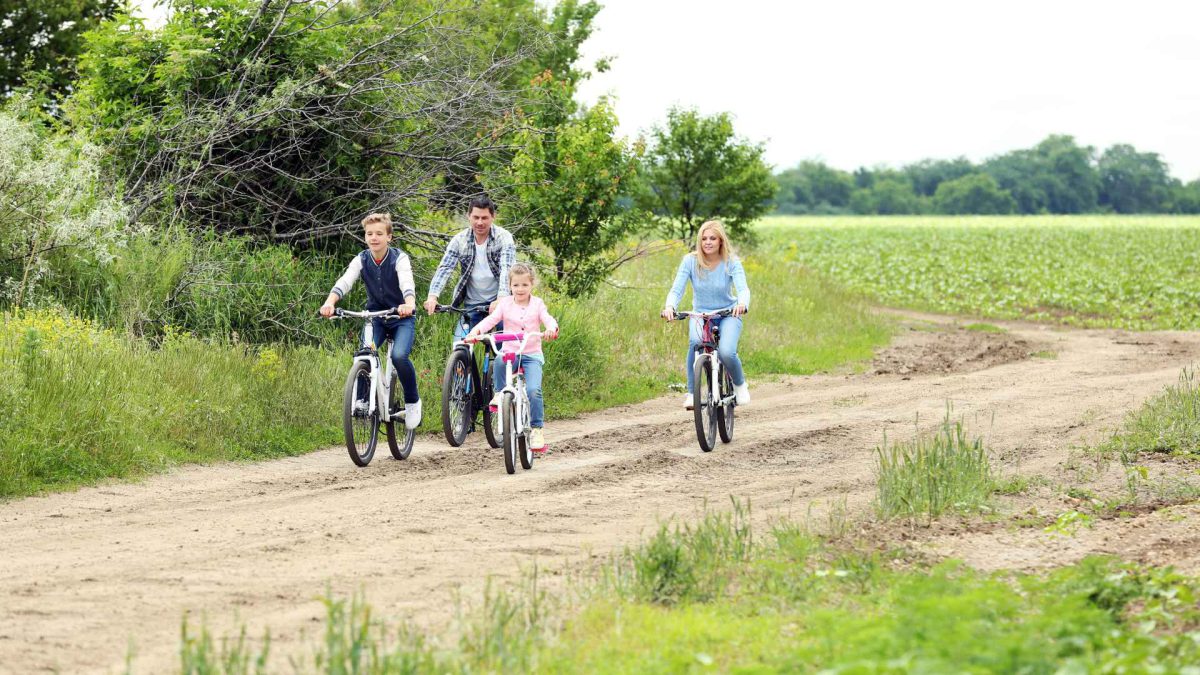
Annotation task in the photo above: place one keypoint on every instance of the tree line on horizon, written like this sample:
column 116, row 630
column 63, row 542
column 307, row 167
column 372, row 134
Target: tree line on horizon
column 1056, row 176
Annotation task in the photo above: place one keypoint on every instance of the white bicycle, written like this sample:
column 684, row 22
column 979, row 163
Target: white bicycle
column 371, row 399
column 514, row 402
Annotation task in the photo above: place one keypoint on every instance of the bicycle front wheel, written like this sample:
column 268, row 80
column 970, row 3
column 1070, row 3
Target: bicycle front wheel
column 457, row 411
column 524, row 449
column 705, row 408
column 508, row 410
column 401, row 445
column 490, row 419
column 361, row 428
column 725, row 412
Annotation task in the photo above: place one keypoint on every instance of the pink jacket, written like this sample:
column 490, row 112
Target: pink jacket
column 518, row 319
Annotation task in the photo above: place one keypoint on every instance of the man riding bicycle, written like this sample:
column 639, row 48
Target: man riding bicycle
column 483, row 253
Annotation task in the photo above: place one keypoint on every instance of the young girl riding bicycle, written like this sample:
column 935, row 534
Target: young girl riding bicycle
column 523, row 312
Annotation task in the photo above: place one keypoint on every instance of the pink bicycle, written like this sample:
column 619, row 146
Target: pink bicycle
column 514, row 402
column 713, row 398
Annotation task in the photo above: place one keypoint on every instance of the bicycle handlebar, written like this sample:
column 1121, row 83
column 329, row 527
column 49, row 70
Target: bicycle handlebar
column 340, row 313
column 496, row 339
column 728, row 311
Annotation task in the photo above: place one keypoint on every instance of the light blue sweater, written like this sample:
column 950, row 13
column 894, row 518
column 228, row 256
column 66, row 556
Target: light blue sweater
column 711, row 289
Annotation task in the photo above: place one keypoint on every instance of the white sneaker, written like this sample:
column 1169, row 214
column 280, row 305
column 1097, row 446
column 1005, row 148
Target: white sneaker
column 537, row 440
column 495, row 402
column 741, row 393
column 688, row 402
column 412, row 415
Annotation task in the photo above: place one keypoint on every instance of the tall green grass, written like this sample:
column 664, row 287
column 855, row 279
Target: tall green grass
column 791, row 601
column 1138, row 272
column 1169, row 422
column 932, row 474
column 83, row 403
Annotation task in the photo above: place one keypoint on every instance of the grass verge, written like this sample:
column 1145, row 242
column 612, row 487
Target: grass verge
column 714, row 597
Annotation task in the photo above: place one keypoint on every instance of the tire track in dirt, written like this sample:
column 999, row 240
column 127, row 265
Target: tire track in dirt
column 84, row 573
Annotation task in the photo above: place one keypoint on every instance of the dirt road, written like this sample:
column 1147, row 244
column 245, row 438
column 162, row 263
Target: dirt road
column 86, row 576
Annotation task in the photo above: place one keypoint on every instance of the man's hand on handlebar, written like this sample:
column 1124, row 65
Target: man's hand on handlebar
column 668, row 314
column 739, row 309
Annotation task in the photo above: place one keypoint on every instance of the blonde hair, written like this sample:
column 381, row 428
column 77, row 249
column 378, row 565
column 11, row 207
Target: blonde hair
column 385, row 218
column 523, row 268
column 725, row 250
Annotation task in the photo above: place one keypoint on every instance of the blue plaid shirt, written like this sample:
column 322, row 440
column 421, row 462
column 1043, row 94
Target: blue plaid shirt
column 460, row 252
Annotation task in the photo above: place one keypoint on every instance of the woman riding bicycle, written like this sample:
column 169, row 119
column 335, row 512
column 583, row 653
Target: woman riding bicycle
column 714, row 271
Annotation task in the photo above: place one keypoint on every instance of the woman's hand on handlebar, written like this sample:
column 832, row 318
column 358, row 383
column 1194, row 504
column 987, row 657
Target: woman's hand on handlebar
column 327, row 310
column 739, row 309
column 668, row 314
column 406, row 309
column 551, row 334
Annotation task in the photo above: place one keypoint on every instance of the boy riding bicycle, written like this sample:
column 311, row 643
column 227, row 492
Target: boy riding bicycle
column 387, row 274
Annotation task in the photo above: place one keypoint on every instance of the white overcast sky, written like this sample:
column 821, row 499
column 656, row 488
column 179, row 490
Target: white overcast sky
column 861, row 83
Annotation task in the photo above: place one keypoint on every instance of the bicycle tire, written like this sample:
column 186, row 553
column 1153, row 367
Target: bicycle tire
column 489, row 418
column 524, row 449
column 400, row 450
column 725, row 412
column 362, row 432
column 704, row 409
column 508, row 410
column 457, row 412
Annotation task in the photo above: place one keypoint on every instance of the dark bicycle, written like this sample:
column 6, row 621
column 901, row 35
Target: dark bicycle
column 713, row 398
column 467, row 386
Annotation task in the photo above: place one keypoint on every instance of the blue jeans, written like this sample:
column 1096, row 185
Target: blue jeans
column 533, row 385
column 731, row 331
column 401, row 333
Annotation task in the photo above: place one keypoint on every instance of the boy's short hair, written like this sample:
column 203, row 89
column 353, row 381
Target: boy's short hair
column 385, row 218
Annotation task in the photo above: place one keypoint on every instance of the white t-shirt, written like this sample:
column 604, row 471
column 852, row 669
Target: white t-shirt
column 484, row 286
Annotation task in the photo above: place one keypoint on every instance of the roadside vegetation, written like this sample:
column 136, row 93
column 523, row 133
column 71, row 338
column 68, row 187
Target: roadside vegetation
column 719, row 596
column 1141, row 273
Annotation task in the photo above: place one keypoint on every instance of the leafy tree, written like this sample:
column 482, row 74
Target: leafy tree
column 288, row 121
column 568, row 183
column 1134, row 182
column 973, row 193
column 1186, row 198
column 813, row 186
column 1056, row 176
column 927, row 174
column 887, row 196
column 697, row 169
column 46, row 35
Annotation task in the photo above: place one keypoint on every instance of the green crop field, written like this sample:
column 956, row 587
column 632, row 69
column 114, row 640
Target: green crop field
column 1138, row 272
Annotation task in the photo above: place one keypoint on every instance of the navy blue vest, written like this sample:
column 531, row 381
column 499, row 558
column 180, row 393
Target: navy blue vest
column 383, row 286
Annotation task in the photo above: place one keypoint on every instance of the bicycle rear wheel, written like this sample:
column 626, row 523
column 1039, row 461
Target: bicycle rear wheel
column 705, row 408
column 361, row 428
column 401, row 445
column 457, row 410
column 725, row 412
column 508, row 410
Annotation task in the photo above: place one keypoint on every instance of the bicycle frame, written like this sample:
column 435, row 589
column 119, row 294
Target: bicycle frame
column 461, row 343
column 709, row 342
column 513, row 378
column 369, row 354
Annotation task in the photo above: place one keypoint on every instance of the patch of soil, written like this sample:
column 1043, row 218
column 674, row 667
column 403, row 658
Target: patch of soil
column 923, row 352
